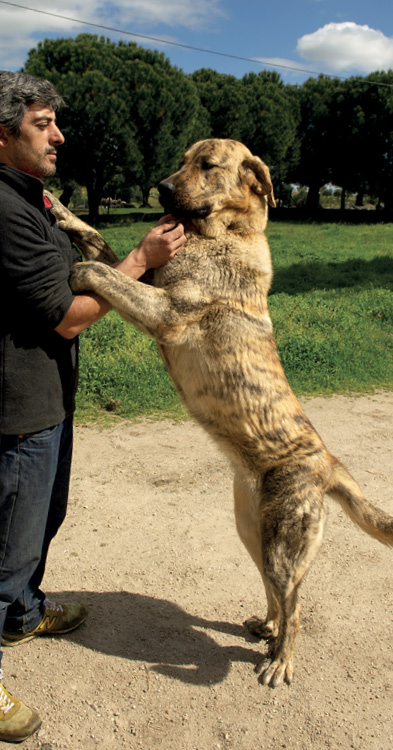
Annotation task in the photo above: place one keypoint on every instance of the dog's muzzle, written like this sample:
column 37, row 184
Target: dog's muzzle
column 171, row 204
column 166, row 190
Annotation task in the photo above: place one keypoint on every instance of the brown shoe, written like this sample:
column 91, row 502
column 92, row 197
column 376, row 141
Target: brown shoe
column 58, row 619
column 17, row 721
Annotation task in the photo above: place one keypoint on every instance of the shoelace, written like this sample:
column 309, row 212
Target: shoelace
column 5, row 701
column 53, row 606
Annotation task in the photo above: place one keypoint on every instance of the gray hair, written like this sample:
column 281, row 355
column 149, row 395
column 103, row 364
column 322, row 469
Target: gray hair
column 18, row 91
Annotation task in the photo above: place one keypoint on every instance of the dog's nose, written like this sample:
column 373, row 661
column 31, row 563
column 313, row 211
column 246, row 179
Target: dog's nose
column 166, row 190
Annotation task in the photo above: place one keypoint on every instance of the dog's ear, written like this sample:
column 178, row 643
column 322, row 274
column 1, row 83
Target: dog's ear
column 258, row 178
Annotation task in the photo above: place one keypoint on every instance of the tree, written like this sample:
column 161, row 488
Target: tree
column 257, row 110
column 272, row 118
column 350, row 160
column 166, row 112
column 377, row 136
column 317, row 134
column 222, row 99
column 362, row 159
column 99, row 136
column 129, row 111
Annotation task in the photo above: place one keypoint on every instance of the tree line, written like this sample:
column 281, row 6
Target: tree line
column 131, row 114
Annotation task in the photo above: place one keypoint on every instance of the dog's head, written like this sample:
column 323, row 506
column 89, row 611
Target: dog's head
column 219, row 183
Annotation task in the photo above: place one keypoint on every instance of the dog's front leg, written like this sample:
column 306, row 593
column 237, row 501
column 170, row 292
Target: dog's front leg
column 89, row 241
column 150, row 309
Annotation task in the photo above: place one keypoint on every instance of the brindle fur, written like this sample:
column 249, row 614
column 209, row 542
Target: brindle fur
column 208, row 311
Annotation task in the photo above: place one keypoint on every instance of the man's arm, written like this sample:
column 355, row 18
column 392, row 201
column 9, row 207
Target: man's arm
column 156, row 248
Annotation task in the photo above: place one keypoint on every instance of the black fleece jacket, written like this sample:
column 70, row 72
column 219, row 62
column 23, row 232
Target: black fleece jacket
column 38, row 367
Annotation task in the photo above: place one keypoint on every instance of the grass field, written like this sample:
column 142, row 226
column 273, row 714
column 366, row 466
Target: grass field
column 332, row 309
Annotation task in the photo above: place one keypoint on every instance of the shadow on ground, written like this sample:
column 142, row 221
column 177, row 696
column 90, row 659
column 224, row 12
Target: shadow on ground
column 159, row 633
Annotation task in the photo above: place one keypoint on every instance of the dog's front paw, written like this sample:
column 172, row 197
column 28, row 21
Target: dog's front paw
column 61, row 212
column 63, row 224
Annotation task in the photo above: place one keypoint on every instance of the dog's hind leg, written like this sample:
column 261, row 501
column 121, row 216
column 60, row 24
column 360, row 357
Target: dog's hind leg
column 247, row 514
column 291, row 517
column 247, row 501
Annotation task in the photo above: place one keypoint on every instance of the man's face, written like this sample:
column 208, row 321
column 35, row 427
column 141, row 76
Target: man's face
column 34, row 150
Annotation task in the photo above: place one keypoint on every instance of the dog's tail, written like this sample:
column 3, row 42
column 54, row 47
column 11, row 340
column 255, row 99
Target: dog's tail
column 347, row 492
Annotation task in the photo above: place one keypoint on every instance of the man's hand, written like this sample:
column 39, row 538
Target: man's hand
column 156, row 248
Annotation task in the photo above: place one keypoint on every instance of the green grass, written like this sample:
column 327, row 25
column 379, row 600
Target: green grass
column 332, row 309
column 332, row 306
column 121, row 371
column 122, row 374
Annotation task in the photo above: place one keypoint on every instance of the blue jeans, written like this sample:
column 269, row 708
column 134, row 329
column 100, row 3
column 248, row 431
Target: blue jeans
column 34, row 483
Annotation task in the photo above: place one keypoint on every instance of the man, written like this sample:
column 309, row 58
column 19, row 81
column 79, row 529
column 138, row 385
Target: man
column 39, row 320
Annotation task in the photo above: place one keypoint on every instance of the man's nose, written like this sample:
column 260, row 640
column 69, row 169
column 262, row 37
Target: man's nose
column 56, row 136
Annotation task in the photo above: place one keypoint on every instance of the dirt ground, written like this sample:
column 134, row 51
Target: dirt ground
column 163, row 660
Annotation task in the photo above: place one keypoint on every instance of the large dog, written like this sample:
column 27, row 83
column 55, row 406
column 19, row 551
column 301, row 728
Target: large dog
column 207, row 309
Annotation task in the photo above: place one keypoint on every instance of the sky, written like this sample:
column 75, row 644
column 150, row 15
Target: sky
column 297, row 38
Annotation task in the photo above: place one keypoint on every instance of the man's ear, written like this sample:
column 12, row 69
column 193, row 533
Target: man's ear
column 258, row 178
column 3, row 137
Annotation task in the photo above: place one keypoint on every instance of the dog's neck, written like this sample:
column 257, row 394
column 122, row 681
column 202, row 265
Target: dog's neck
column 244, row 240
column 242, row 224
column 243, row 220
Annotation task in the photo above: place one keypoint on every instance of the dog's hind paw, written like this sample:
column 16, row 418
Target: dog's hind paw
column 274, row 672
column 262, row 629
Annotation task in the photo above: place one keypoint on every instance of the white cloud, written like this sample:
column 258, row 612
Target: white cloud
column 190, row 14
column 347, row 47
column 21, row 29
column 338, row 48
column 19, row 33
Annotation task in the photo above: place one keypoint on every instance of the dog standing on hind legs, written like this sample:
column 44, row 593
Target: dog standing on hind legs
column 207, row 310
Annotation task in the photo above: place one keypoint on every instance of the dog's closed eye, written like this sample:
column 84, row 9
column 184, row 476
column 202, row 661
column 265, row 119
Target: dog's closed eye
column 208, row 165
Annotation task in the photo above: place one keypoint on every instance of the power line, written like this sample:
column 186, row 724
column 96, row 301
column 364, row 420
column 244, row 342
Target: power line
column 156, row 39
column 188, row 46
